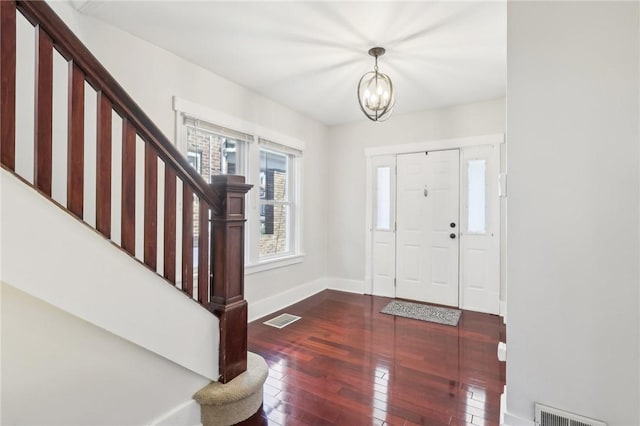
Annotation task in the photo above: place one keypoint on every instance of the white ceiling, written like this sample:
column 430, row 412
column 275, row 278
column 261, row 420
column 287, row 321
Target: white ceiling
column 309, row 56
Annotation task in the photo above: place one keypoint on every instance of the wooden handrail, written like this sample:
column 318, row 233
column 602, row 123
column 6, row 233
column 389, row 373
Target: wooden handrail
column 72, row 49
column 220, row 209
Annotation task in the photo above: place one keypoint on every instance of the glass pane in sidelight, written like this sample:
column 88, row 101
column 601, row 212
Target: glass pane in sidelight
column 383, row 198
column 476, row 196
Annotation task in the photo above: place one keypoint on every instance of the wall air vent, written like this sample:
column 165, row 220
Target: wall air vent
column 548, row 416
column 282, row 321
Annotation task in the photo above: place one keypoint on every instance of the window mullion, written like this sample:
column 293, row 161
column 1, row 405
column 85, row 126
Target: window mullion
column 276, row 202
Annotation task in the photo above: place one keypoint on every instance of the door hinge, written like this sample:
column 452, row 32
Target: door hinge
column 394, row 282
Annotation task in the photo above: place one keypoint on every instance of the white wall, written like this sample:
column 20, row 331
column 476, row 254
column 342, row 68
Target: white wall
column 48, row 254
column 60, row 370
column 152, row 76
column 573, row 131
column 347, row 181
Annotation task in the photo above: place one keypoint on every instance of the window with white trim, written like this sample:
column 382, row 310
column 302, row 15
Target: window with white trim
column 273, row 231
column 277, row 200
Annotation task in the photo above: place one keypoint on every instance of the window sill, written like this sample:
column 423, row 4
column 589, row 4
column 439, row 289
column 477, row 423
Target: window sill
column 268, row 264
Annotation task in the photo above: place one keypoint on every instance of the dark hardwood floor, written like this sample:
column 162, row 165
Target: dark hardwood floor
column 344, row 363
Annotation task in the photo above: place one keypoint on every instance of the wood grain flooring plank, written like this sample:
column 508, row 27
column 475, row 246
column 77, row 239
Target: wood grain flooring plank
column 345, row 363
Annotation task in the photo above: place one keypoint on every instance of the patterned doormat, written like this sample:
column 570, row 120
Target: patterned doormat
column 422, row 312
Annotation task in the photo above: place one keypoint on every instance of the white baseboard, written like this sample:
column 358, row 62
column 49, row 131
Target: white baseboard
column 185, row 414
column 262, row 307
column 343, row 284
column 509, row 419
column 503, row 310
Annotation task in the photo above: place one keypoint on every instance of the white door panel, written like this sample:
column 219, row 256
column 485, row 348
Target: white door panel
column 383, row 249
column 411, row 253
column 427, row 203
column 480, row 230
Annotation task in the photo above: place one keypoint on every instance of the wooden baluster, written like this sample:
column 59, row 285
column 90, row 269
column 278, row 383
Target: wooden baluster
column 75, row 150
column 103, row 163
column 187, row 239
column 8, row 83
column 227, row 301
column 169, row 224
column 150, row 206
column 203, row 253
column 128, row 227
column 43, row 112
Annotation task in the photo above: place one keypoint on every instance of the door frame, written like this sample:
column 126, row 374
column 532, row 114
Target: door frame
column 433, row 145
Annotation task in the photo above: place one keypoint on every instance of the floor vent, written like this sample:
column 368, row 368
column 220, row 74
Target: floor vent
column 282, row 321
column 548, row 416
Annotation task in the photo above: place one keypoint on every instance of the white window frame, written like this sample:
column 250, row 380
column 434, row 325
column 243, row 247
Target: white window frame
column 251, row 168
column 291, row 202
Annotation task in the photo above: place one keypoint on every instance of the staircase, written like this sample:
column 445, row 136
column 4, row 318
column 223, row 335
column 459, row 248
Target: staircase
column 141, row 233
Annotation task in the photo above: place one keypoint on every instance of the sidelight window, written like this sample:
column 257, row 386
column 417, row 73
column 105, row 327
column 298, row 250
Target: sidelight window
column 477, row 196
column 383, row 198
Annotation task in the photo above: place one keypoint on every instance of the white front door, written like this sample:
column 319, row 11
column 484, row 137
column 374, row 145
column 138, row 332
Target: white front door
column 427, row 226
column 480, row 230
column 383, row 226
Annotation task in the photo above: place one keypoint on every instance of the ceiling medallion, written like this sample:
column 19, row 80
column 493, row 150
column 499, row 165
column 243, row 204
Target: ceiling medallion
column 375, row 91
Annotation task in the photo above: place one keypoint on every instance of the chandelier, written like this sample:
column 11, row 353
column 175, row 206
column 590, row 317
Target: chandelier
column 375, row 91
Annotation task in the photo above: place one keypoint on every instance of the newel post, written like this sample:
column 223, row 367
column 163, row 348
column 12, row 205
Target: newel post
column 227, row 283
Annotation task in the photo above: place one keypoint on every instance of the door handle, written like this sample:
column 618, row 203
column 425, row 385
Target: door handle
column 452, row 236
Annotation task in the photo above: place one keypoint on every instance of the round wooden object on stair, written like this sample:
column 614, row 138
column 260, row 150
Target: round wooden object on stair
column 230, row 403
